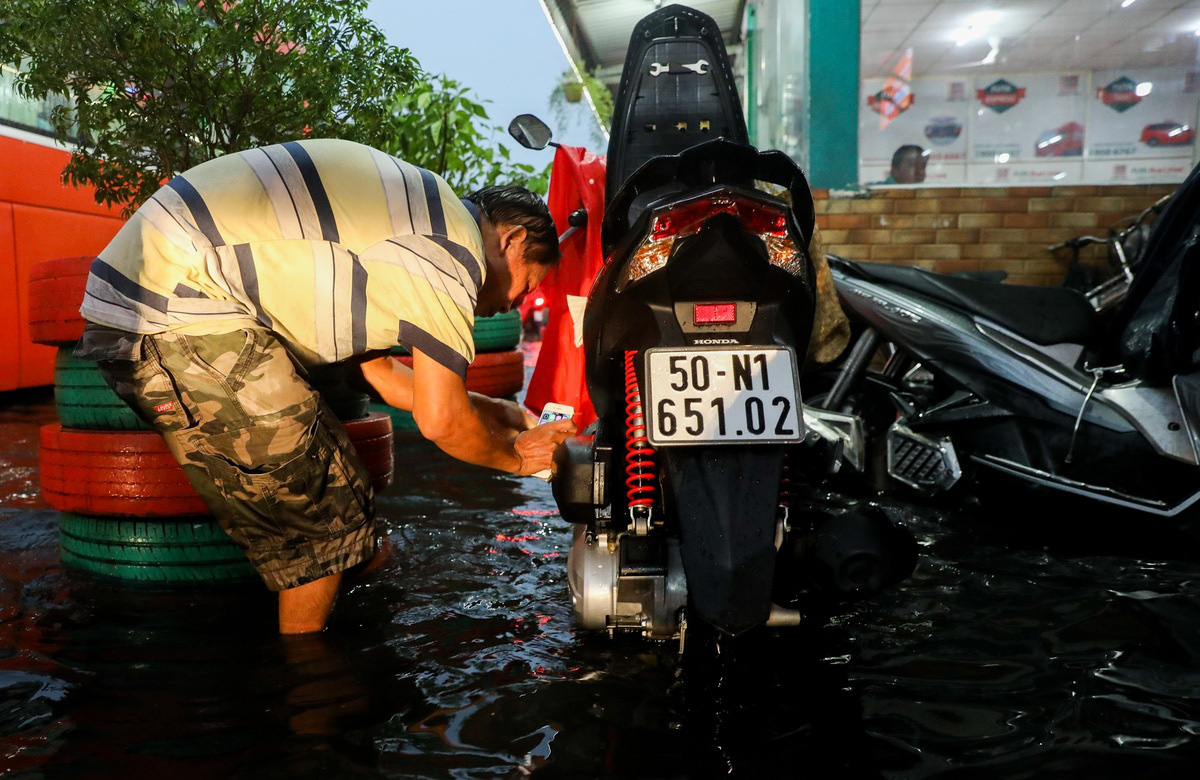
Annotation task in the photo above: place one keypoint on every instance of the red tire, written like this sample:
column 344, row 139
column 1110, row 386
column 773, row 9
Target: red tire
column 372, row 438
column 113, row 473
column 55, row 293
column 132, row 473
column 496, row 374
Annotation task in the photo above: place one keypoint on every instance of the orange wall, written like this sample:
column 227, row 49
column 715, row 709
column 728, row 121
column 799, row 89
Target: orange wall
column 40, row 218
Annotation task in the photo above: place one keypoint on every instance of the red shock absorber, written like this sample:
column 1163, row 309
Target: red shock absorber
column 640, row 466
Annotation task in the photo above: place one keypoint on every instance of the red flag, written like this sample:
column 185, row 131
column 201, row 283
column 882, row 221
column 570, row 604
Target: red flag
column 577, row 181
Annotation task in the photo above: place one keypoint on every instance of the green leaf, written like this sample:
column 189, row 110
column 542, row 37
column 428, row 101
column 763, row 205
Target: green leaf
column 203, row 87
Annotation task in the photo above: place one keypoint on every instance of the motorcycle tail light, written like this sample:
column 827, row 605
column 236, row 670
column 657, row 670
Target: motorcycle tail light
column 765, row 220
column 714, row 313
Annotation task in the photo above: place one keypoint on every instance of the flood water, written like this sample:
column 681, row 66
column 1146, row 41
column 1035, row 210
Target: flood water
column 1016, row 650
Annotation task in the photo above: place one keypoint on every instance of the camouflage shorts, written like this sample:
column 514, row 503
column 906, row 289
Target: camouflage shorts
column 267, row 456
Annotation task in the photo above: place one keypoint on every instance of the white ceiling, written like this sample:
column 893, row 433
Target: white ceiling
column 601, row 28
column 1031, row 35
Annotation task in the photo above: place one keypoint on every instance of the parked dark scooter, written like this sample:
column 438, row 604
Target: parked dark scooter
column 962, row 384
column 687, row 491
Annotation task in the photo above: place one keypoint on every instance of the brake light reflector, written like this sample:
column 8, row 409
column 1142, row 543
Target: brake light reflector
column 765, row 220
column 714, row 313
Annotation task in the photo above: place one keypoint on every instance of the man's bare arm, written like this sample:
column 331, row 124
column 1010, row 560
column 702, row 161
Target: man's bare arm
column 446, row 416
column 392, row 380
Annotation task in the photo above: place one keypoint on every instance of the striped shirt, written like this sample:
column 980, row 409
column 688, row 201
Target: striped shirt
column 336, row 247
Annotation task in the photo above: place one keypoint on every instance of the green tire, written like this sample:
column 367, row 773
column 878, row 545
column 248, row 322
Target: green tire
column 492, row 334
column 401, row 420
column 503, row 331
column 184, row 550
column 85, row 401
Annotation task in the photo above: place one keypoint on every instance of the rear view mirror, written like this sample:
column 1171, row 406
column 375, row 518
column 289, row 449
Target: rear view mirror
column 530, row 132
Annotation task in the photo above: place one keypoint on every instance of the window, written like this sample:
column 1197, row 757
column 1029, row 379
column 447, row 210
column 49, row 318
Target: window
column 1029, row 92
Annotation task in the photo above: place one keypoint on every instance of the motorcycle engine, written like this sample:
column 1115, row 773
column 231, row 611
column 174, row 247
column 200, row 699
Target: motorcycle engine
column 627, row 582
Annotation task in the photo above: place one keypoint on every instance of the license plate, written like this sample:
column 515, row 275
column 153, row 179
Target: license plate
column 722, row 395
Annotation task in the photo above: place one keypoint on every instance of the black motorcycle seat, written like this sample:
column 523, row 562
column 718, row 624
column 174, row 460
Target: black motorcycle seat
column 1044, row 315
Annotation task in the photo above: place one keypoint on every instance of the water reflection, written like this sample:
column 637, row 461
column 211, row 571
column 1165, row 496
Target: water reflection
column 1014, row 651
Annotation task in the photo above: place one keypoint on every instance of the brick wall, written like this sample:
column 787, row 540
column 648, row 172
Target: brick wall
column 976, row 228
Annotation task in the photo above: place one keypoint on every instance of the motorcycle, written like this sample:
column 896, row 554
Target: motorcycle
column 965, row 386
column 687, row 492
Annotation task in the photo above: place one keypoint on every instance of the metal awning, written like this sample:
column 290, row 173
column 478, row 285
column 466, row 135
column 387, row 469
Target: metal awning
column 596, row 32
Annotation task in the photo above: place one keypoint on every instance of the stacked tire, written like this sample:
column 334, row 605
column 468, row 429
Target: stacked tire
column 128, row 510
column 497, row 371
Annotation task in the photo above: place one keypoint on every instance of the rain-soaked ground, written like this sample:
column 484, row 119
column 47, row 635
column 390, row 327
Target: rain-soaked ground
column 1018, row 649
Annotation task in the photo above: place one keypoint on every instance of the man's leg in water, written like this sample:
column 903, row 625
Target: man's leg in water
column 305, row 608
column 267, row 456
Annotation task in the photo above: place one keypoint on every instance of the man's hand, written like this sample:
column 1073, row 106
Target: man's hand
column 451, row 419
column 536, row 446
column 504, row 418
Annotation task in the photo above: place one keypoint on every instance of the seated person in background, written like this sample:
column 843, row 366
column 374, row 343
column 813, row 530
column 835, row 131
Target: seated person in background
column 908, row 165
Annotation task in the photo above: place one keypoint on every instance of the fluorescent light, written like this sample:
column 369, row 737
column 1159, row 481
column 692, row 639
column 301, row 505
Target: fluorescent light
column 1063, row 174
column 1002, row 158
column 1049, row 141
column 1127, row 3
column 976, row 26
column 1144, row 88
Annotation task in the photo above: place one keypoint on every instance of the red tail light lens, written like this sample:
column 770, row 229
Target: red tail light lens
column 714, row 313
column 765, row 220
column 687, row 218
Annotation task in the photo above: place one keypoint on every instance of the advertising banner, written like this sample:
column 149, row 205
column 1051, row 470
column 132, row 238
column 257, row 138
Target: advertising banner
column 1144, row 125
column 1135, row 125
column 1027, row 129
column 935, row 121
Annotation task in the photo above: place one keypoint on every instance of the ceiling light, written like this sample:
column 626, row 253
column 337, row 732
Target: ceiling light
column 976, row 26
column 1127, row 3
column 1144, row 88
column 1003, row 157
column 1063, row 174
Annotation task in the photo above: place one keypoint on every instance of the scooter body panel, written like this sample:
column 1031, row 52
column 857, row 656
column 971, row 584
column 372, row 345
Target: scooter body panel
column 1028, row 406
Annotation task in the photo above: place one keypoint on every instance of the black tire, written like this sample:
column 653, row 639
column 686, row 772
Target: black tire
column 348, row 405
column 84, row 399
column 186, row 550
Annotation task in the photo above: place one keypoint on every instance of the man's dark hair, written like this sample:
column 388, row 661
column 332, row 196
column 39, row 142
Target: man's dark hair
column 513, row 205
column 899, row 155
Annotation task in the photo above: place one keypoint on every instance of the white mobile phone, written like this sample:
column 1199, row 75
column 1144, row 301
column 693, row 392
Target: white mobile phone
column 553, row 413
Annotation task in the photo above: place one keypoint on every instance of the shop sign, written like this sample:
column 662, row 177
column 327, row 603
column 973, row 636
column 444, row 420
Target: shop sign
column 1000, row 95
column 1121, row 95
